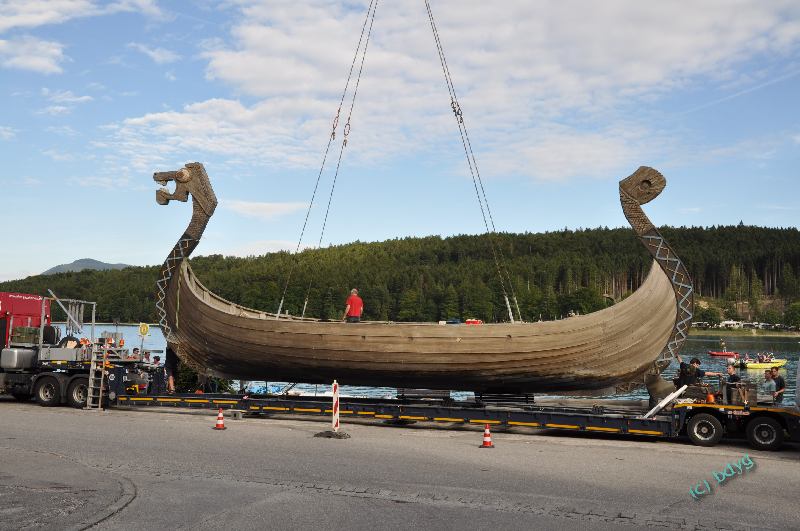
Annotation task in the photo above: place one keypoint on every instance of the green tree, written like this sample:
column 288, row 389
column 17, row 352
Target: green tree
column 771, row 316
column 789, row 285
column 449, row 308
column 756, row 295
column 409, row 306
column 709, row 315
column 792, row 315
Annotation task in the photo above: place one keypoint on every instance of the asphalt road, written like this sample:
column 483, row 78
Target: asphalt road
column 67, row 469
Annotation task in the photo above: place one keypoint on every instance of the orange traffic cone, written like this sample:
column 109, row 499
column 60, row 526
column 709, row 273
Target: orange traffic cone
column 487, row 438
column 220, row 421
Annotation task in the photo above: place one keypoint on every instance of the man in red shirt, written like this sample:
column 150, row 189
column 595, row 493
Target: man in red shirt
column 352, row 313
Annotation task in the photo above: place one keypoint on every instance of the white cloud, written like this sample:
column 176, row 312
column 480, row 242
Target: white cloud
column 46, row 57
column 796, row 139
column 7, row 133
column 169, row 76
column 63, row 130
column 557, row 153
column 31, row 13
column 533, row 48
column 777, row 207
column 31, row 53
column 64, row 96
column 55, row 110
column 34, row 13
column 542, row 90
column 263, row 211
column 158, row 55
column 59, row 156
column 107, row 183
column 31, row 181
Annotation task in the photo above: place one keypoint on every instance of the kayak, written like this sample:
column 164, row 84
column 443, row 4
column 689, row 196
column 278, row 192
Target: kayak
column 765, row 364
column 724, row 353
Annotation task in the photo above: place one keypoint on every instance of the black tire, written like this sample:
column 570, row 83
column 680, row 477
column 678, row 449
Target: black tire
column 48, row 392
column 704, row 429
column 765, row 433
column 65, row 340
column 77, row 392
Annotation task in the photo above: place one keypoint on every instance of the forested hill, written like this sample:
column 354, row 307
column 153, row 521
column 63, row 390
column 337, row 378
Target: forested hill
column 432, row 278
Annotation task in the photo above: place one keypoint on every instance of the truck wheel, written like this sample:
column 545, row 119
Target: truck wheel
column 77, row 392
column 704, row 429
column 765, row 433
column 48, row 392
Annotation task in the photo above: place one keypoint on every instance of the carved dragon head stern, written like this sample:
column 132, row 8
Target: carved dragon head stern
column 644, row 185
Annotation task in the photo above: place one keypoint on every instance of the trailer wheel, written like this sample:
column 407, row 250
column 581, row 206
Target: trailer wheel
column 704, row 429
column 765, row 433
column 48, row 392
column 77, row 391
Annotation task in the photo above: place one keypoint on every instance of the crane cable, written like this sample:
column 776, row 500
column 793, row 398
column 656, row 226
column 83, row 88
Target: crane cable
column 372, row 7
column 480, row 192
column 346, row 131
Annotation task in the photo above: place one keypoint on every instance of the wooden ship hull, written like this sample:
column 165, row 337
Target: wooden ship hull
column 611, row 347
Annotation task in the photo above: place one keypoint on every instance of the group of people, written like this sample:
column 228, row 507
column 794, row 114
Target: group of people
column 774, row 384
column 760, row 358
column 691, row 373
column 168, row 369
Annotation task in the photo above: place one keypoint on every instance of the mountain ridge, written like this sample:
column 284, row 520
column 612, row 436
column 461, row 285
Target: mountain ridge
column 82, row 264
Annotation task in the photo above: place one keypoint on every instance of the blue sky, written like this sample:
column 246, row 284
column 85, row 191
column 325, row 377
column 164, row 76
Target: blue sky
column 562, row 99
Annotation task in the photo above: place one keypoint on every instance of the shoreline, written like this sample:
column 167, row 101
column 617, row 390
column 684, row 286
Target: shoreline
column 693, row 332
column 761, row 334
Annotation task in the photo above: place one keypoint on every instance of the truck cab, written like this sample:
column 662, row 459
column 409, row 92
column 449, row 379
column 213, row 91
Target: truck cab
column 21, row 310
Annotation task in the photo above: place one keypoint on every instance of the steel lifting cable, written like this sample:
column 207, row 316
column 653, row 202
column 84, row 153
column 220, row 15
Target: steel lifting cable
column 346, row 131
column 372, row 6
column 474, row 172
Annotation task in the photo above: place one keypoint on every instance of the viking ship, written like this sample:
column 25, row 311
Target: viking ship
column 624, row 343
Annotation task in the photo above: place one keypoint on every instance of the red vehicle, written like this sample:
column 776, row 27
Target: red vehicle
column 21, row 309
column 723, row 353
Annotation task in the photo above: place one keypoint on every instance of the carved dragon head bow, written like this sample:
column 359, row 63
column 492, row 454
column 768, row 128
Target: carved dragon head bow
column 192, row 180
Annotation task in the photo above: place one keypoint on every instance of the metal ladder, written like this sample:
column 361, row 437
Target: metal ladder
column 97, row 379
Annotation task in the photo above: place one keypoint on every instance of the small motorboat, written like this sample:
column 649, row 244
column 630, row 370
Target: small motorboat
column 777, row 362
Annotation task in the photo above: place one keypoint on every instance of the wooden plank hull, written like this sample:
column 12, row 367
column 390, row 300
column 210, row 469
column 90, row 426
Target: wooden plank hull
column 599, row 350
column 628, row 344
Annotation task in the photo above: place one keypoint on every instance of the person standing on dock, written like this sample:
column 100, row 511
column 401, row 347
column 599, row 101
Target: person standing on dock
column 354, row 307
column 768, row 387
column 780, row 385
column 691, row 373
column 733, row 379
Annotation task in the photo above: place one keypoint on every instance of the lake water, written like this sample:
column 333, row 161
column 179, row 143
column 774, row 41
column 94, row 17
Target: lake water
column 696, row 346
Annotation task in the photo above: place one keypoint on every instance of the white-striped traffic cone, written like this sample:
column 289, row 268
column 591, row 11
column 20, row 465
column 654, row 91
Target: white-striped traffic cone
column 487, row 438
column 220, row 421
